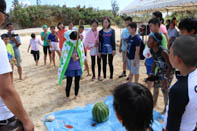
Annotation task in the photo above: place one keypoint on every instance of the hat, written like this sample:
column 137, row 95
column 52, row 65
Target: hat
column 4, row 36
column 44, row 26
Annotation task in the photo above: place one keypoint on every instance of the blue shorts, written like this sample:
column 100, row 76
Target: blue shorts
column 133, row 69
column 18, row 61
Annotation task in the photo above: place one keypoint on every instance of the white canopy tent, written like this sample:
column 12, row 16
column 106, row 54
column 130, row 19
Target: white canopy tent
column 146, row 6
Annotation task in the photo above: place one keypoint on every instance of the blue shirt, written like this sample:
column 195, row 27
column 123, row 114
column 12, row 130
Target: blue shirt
column 124, row 36
column 16, row 50
column 107, row 45
column 52, row 38
column 133, row 42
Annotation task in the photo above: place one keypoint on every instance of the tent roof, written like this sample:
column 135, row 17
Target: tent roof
column 145, row 6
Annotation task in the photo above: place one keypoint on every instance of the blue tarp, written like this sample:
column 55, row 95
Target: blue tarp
column 81, row 120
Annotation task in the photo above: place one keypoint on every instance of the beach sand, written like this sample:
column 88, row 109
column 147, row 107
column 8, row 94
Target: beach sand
column 40, row 93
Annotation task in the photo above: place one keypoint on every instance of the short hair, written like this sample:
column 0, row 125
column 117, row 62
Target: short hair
column 168, row 20
column 94, row 21
column 185, row 47
column 174, row 18
column 171, row 22
column 59, row 24
column 107, row 18
column 133, row 25
column 2, row 5
column 158, row 14
column 129, row 19
column 4, row 36
column 8, row 24
column 52, row 27
column 81, row 27
column 73, row 35
column 188, row 24
column 33, row 35
column 133, row 102
column 154, row 21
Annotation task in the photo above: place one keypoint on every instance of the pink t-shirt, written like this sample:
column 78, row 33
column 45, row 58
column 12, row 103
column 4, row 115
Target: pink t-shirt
column 60, row 34
column 163, row 29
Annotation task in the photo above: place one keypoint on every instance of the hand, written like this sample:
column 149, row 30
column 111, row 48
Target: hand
column 114, row 53
column 135, row 63
column 75, row 57
column 99, row 55
column 28, row 125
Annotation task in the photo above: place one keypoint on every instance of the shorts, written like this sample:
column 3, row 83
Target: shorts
column 18, row 61
column 133, row 69
column 123, row 56
column 45, row 49
column 148, row 69
column 159, row 83
column 55, row 46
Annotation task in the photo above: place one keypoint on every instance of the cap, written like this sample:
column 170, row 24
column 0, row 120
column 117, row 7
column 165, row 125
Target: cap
column 44, row 26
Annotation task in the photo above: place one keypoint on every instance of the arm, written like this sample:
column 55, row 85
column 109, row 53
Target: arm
column 28, row 48
column 43, row 37
column 113, row 41
column 120, row 48
column 12, row 100
column 153, row 69
column 137, row 52
column 17, row 41
column 166, row 57
column 39, row 42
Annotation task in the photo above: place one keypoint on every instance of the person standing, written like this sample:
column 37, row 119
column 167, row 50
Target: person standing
column 46, row 47
column 16, row 43
column 12, row 113
column 107, row 46
column 60, row 34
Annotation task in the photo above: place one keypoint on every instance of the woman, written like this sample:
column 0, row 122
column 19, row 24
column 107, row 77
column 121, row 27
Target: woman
column 60, row 34
column 107, row 46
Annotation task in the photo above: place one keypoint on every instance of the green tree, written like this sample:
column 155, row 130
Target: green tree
column 115, row 7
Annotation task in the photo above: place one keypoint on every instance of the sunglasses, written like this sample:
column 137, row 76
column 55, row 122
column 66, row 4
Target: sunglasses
column 6, row 15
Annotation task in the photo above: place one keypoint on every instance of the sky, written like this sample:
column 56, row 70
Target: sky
column 100, row 4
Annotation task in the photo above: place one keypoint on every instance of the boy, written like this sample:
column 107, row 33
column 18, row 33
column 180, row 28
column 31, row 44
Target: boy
column 133, row 104
column 181, row 113
column 54, row 45
column 172, row 33
column 188, row 26
column 123, row 44
column 34, row 44
column 133, row 50
column 46, row 47
column 10, row 51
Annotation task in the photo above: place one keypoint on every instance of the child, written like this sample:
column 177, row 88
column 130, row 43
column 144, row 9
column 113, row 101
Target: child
column 34, row 44
column 107, row 46
column 72, row 62
column 181, row 112
column 54, row 46
column 91, row 42
column 133, row 51
column 46, row 47
column 10, row 51
column 164, row 74
column 188, row 26
column 172, row 33
column 60, row 34
column 133, row 104
column 82, row 38
column 123, row 44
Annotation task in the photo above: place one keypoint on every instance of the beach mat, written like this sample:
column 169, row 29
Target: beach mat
column 80, row 119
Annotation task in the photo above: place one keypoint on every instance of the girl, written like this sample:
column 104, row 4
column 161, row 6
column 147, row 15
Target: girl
column 91, row 43
column 34, row 45
column 107, row 46
column 72, row 62
column 164, row 73
column 60, row 34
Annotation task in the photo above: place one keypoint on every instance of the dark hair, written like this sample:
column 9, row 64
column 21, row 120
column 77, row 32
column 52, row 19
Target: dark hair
column 128, row 19
column 133, row 25
column 133, row 102
column 188, row 24
column 73, row 35
column 171, row 22
column 4, row 36
column 8, row 24
column 52, row 27
column 154, row 21
column 158, row 37
column 158, row 15
column 107, row 18
column 94, row 21
column 33, row 35
column 81, row 27
column 2, row 5
column 174, row 18
column 185, row 47
column 168, row 20
column 59, row 25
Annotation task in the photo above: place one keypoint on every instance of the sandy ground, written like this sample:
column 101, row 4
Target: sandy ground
column 41, row 94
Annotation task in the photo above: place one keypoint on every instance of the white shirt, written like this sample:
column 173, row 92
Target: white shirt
column 5, row 67
column 35, row 44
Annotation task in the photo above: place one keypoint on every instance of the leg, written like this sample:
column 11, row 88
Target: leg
column 93, row 66
column 165, row 97
column 150, row 84
column 18, row 64
column 155, row 92
column 20, row 72
column 110, row 61
column 53, row 57
column 38, row 57
column 45, row 55
column 99, row 66
column 68, row 86
column 77, row 80
column 59, row 54
column 104, row 58
column 35, row 56
column 137, row 76
column 50, row 54
column 130, row 77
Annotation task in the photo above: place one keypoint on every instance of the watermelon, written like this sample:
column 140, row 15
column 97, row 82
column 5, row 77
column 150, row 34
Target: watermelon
column 100, row 112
